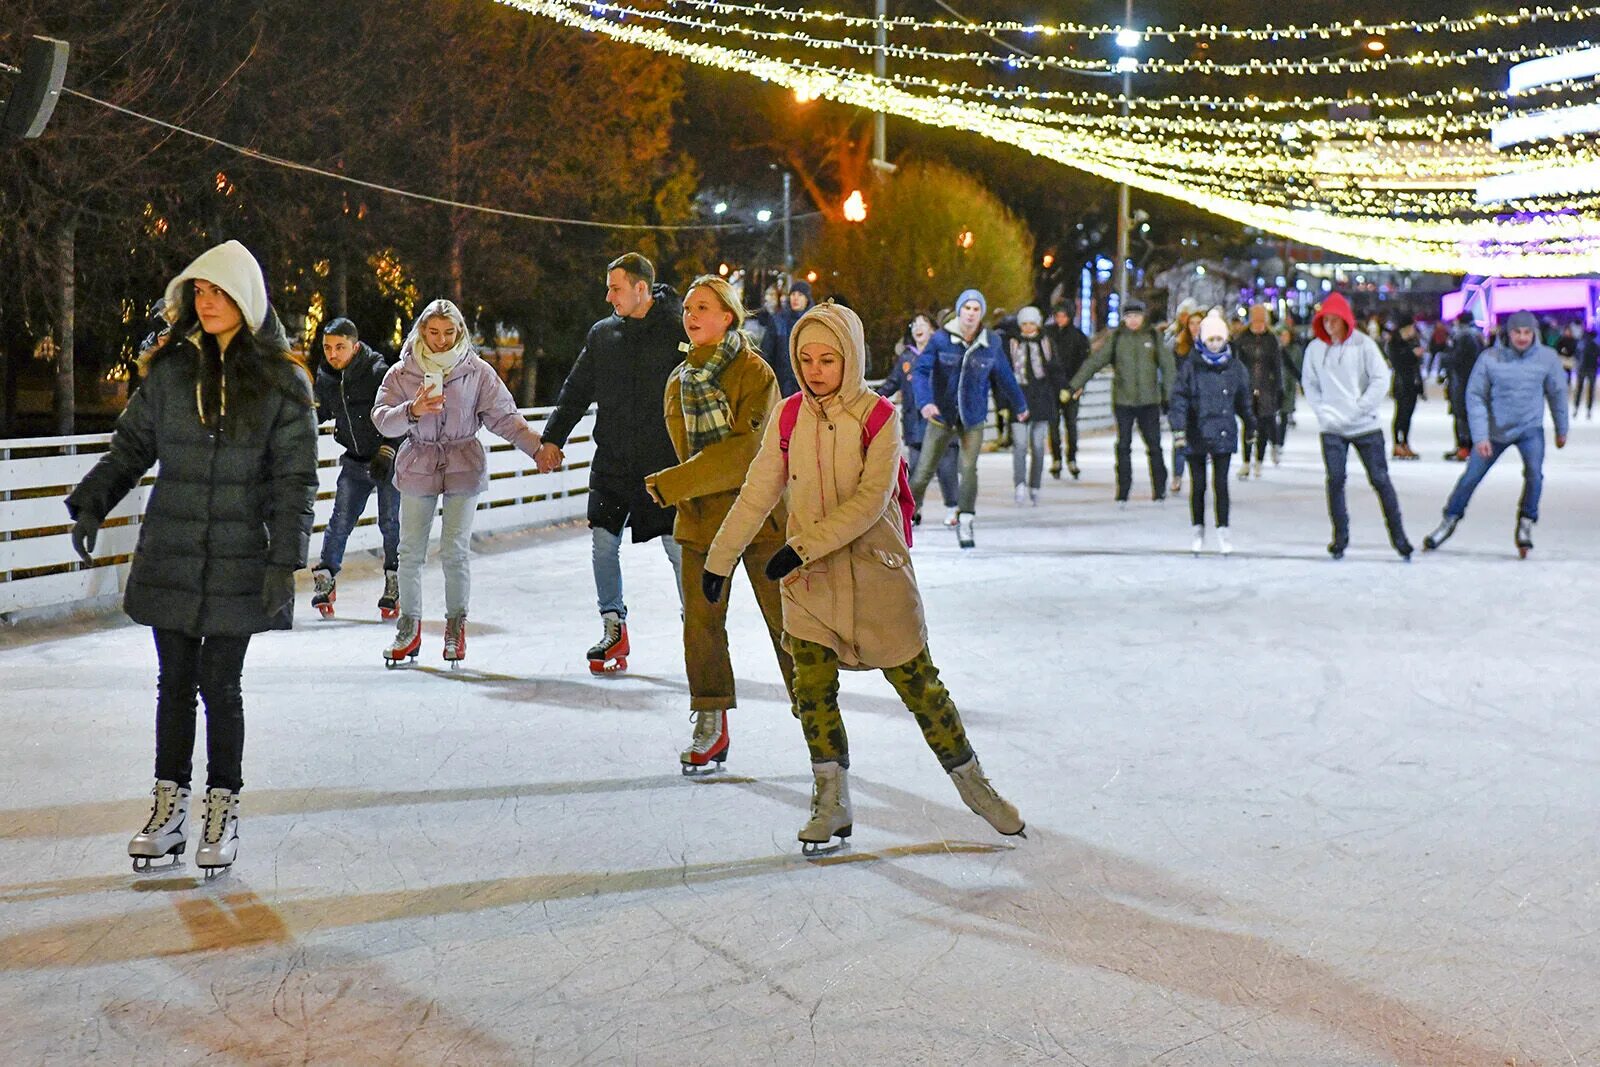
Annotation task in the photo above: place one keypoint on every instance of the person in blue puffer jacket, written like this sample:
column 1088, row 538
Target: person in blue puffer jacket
column 1510, row 387
column 1211, row 396
column 913, row 427
column 952, row 380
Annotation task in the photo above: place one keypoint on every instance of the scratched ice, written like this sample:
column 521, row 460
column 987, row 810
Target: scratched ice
column 1282, row 811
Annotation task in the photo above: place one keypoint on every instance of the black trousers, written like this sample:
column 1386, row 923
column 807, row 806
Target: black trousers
column 1068, row 416
column 1148, row 418
column 1458, row 409
column 1369, row 446
column 1219, row 482
column 1585, row 380
column 1405, row 405
column 210, row 667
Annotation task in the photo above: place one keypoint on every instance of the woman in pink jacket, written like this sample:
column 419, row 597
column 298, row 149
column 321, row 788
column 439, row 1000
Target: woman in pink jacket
column 437, row 396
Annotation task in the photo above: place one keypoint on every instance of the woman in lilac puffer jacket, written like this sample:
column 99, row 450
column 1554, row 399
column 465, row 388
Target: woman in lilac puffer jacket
column 437, row 396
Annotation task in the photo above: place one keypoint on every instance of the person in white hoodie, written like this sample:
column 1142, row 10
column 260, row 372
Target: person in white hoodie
column 1346, row 379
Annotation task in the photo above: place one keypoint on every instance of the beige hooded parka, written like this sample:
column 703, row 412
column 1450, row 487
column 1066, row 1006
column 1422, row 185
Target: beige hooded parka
column 855, row 590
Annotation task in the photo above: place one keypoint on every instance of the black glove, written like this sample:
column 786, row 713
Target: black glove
column 382, row 464
column 84, row 532
column 711, row 585
column 783, row 563
column 277, row 590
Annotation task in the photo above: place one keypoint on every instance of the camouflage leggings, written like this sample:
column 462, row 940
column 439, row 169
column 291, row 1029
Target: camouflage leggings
column 816, row 703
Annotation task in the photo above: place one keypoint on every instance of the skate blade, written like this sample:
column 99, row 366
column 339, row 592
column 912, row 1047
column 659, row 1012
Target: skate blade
column 400, row 661
column 388, row 614
column 327, row 612
column 153, row 864
column 815, row 849
column 600, row 666
column 691, row 770
column 216, row 872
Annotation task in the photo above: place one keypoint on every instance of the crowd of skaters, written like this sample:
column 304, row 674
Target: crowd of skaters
column 762, row 448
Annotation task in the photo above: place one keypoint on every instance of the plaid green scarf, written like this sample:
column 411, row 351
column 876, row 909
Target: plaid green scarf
column 706, row 414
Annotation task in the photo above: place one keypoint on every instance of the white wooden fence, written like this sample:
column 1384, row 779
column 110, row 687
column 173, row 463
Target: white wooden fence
column 39, row 569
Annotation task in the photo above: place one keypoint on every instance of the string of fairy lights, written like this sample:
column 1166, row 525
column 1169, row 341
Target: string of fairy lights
column 1385, row 188
column 1323, row 31
column 1323, row 65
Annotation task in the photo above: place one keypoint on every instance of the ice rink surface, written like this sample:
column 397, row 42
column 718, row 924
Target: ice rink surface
column 1282, row 811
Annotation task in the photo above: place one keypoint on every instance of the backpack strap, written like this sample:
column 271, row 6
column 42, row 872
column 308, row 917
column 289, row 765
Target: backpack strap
column 876, row 420
column 788, row 416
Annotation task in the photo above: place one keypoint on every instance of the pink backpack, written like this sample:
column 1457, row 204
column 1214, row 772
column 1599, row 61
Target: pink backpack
column 881, row 413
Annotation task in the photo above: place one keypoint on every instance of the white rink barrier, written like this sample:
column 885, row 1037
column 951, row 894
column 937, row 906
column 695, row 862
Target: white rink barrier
column 39, row 570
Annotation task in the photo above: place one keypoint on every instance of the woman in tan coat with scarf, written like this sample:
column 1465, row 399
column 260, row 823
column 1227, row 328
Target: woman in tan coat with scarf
column 717, row 403
column 850, row 596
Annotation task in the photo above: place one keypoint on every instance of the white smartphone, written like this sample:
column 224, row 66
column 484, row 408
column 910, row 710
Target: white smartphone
column 434, row 383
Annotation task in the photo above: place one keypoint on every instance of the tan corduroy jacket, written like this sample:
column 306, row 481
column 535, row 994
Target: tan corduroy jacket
column 704, row 486
column 855, row 591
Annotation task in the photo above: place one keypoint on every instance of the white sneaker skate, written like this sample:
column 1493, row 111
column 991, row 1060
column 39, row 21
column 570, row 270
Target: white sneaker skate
column 1524, row 536
column 831, row 816
column 964, row 530
column 166, row 832
column 1198, row 545
column 1257, row 472
column 979, row 795
column 219, row 839
column 952, row 516
column 1020, row 494
column 1277, row 454
column 1033, row 497
column 708, row 750
column 1224, row 546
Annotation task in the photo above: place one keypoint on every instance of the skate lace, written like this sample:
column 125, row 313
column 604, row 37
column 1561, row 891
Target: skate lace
column 407, row 630
column 161, row 810
column 705, row 729
column 613, row 630
column 323, row 582
column 391, row 585
column 217, row 812
column 452, row 631
column 824, row 795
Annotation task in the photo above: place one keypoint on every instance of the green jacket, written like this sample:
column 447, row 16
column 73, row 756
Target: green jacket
column 1143, row 367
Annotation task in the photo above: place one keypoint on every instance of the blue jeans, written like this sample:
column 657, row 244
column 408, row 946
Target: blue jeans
column 455, row 546
column 1028, row 439
column 1368, row 446
column 1531, row 446
column 606, row 554
column 350, row 500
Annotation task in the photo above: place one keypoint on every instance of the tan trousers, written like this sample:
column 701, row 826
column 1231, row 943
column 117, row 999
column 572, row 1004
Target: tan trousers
column 705, row 627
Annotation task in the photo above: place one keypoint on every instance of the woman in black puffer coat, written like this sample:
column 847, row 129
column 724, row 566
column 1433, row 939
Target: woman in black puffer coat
column 1212, row 391
column 227, row 412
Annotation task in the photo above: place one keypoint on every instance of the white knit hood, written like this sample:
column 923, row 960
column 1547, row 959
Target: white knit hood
column 231, row 268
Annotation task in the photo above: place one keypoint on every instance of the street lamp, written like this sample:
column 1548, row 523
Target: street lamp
column 1128, row 39
column 764, row 215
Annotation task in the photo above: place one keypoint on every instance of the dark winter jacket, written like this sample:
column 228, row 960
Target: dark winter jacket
column 1071, row 344
column 1466, row 344
column 1043, row 392
column 1588, row 355
column 347, row 397
column 1208, row 400
column 913, row 427
column 775, row 342
column 232, row 496
column 1294, row 356
column 957, row 376
column 1404, row 359
column 1263, row 359
column 1142, row 365
column 623, row 367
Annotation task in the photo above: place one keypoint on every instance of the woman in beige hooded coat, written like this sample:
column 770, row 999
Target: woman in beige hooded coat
column 850, row 596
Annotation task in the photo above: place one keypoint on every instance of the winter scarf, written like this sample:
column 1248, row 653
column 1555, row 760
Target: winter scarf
column 1027, row 358
column 1214, row 359
column 707, row 416
column 440, row 362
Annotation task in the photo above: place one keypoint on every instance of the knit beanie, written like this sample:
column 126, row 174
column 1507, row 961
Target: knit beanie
column 1030, row 315
column 1522, row 320
column 971, row 294
column 1213, row 327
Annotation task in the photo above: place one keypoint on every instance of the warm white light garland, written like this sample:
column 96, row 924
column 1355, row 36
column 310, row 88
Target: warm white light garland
column 1555, row 243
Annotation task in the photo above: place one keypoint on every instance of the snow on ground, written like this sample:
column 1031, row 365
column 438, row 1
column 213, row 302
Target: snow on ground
column 1282, row 810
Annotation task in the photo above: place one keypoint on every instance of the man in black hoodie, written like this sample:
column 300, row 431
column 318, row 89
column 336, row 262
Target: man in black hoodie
column 623, row 368
column 347, row 384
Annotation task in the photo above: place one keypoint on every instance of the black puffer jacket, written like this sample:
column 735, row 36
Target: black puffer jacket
column 347, row 397
column 228, row 502
column 1263, row 359
column 1207, row 402
column 624, row 368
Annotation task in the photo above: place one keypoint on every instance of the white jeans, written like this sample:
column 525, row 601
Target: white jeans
column 455, row 541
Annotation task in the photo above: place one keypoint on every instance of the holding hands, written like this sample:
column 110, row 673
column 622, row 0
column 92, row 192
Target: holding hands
column 548, row 458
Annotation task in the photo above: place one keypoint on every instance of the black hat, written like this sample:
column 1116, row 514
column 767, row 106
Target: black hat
column 1133, row 306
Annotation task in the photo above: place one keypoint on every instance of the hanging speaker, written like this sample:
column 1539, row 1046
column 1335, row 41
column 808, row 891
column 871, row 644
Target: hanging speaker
column 37, row 88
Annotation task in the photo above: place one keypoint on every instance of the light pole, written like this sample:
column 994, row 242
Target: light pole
column 1128, row 39
column 788, row 245
column 880, row 64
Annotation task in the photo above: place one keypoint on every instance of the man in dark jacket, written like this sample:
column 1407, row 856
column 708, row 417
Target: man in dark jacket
column 1072, row 348
column 1466, row 344
column 913, row 427
column 1144, row 371
column 775, row 341
column 1404, row 353
column 1257, row 349
column 623, row 368
column 348, row 378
